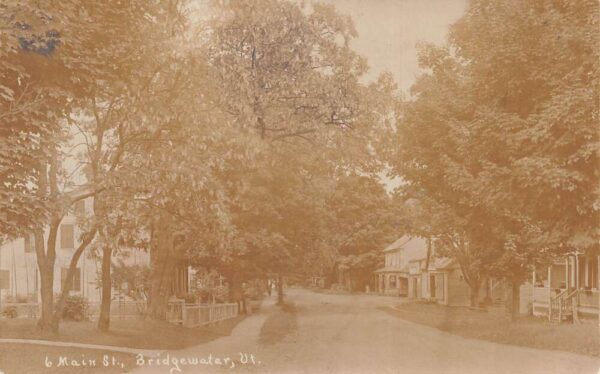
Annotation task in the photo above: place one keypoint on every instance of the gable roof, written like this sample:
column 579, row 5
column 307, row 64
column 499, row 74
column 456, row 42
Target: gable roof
column 397, row 244
column 412, row 248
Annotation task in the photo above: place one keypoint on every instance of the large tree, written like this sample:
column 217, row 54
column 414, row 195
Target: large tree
column 501, row 131
column 57, row 77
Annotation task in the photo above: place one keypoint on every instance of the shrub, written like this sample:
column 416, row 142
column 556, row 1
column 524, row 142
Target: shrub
column 10, row 312
column 75, row 309
column 253, row 293
column 188, row 297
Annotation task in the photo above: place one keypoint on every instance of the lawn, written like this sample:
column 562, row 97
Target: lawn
column 132, row 333
column 496, row 326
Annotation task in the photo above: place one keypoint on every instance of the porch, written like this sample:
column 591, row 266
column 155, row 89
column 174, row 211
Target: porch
column 392, row 282
column 567, row 290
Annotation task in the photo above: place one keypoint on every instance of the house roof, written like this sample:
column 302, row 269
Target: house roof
column 397, row 244
column 442, row 263
column 413, row 246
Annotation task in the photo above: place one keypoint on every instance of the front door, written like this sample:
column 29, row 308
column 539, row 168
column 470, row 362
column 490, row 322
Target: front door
column 432, row 286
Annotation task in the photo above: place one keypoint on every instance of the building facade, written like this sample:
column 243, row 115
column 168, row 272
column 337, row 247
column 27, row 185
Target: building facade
column 393, row 278
column 568, row 289
column 19, row 274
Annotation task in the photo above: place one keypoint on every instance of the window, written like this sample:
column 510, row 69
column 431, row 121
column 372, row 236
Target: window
column 29, row 242
column 4, row 279
column 67, row 236
column 76, row 281
column 541, row 276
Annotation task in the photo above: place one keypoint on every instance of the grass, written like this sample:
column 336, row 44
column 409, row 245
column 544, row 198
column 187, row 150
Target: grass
column 497, row 327
column 279, row 324
column 142, row 334
column 133, row 333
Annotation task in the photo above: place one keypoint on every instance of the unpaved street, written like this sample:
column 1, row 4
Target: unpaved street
column 354, row 334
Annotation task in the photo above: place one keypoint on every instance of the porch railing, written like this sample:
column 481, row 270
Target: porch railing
column 562, row 305
column 588, row 298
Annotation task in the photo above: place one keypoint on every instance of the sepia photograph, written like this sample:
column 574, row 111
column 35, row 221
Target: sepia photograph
column 300, row 186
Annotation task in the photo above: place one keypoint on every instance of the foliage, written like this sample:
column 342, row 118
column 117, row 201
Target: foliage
column 75, row 308
column 133, row 280
column 502, row 119
column 10, row 312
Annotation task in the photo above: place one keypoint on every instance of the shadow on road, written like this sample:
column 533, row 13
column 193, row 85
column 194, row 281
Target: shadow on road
column 279, row 324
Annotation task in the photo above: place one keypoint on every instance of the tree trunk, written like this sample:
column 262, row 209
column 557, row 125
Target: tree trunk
column 474, row 287
column 236, row 294
column 162, row 259
column 515, row 305
column 47, row 295
column 279, row 289
column 104, row 318
column 46, row 260
column 68, row 281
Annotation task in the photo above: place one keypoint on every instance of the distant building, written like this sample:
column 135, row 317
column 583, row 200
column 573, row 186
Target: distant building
column 393, row 277
column 410, row 272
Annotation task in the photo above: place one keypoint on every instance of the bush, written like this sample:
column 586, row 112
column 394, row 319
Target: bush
column 75, row 309
column 188, row 297
column 10, row 312
column 253, row 293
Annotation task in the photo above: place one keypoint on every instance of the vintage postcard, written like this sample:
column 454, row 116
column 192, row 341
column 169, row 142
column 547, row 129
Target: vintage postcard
column 300, row 186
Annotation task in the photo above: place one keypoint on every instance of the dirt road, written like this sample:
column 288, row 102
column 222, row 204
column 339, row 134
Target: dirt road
column 352, row 334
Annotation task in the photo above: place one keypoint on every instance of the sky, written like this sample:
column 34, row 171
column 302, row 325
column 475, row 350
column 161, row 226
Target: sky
column 389, row 30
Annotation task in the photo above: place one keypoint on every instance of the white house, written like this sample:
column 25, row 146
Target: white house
column 19, row 274
column 393, row 277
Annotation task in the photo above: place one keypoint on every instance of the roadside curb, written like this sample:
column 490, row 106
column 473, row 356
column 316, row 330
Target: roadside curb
column 145, row 352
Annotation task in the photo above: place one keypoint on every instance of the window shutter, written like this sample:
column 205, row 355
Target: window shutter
column 4, row 279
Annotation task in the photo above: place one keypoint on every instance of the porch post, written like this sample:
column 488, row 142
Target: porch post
column 577, row 271
column 573, row 274
column 587, row 270
column 567, row 273
column 446, row 297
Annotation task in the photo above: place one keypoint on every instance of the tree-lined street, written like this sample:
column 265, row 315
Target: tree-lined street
column 177, row 162
column 355, row 334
